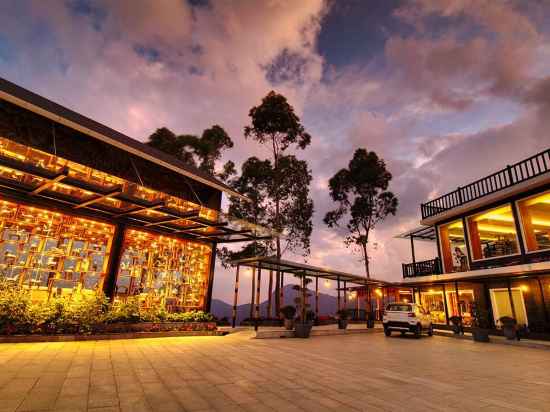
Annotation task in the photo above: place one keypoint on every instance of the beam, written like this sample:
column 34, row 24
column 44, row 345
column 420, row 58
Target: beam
column 49, row 183
column 155, row 206
column 115, row 192
column 184, row 215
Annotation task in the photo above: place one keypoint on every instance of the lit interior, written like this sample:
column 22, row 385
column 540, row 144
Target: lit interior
column 52, row 254
column 163, row 271
column 453, row 247
column 493, row 233
column 535, row 218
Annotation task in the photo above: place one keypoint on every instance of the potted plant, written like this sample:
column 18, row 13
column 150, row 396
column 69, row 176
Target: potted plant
column 343, row 316
column 288, row 312
column 509, row 327
column 480, row 324
column 302, row 328
column 456, row 321
column 370, row 319
column 304, row 323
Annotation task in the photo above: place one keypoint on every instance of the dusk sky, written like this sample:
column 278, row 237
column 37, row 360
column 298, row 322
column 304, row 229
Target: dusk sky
column 446, row 91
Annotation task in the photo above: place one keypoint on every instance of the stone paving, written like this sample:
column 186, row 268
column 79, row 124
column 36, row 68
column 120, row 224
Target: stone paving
column 233, row 373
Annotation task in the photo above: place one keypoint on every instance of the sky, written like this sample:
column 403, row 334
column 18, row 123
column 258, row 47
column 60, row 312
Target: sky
column 446, row 91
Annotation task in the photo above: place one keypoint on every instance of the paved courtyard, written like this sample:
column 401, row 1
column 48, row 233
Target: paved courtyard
column 355, row 372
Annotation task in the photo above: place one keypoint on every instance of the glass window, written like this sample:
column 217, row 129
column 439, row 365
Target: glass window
column 163, row 271
column 535, row 220
column 464, row 303
column 493, row 233
column 453, row 247
column 432, row 302
column 52, row 254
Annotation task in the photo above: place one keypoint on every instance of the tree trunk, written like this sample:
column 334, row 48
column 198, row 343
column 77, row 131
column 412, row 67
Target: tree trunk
column 367, row 272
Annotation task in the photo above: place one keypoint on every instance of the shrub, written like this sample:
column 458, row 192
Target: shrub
column 288, row 312
column 343, row 314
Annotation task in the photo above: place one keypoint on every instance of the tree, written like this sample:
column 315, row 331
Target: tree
column 279, row 186
column 201, row 152
column 362, row 197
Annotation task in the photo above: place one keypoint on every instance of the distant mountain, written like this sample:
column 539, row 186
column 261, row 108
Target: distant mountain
column 221, row 309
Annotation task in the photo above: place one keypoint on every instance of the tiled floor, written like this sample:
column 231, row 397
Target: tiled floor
column 355, row 372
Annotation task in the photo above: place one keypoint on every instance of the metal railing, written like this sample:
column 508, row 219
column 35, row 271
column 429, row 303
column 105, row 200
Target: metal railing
column 424, row 268
column 513, row 174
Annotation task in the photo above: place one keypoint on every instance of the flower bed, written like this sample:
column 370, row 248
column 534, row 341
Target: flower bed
column 94, row 315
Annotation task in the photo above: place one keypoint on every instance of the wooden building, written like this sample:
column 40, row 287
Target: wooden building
column 84, row 208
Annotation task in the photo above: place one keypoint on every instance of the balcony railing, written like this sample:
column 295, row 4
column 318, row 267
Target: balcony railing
column 513, row 174
column 424, row 268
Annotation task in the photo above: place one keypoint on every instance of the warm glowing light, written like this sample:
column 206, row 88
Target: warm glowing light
column 406, row 300
column 524, row 288
column 378, row 292
column 327, row 283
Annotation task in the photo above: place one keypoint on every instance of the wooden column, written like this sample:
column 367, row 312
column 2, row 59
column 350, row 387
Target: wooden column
column 235, row 297
column 345, row 295
column 509, row 286
column 115, row 254
column 211, row 278
column 316, row 297
column 270, row 293
column 412, row 250
column 282, row 291
column 257, row 314
column 445, row 304
column 459, row 311
column 546, row 316
column 252, row 294
column 338, row 288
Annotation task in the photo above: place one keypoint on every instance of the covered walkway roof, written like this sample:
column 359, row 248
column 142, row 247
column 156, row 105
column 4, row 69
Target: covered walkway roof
column 286, row 266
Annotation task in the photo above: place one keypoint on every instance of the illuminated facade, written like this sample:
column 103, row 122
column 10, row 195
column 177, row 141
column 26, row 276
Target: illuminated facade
column 493, row 244
column 85, row 209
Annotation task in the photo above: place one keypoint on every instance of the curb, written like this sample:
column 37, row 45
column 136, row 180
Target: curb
column 500, row 341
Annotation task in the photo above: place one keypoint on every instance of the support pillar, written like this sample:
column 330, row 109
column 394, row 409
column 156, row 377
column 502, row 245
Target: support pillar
column 338, row 288
column 458, row 300
column 269, row 314
column 316, row 297
column 282, row 291
column 208, row 302
column 509, row 287
column 109, row 285
column 257, row 314
column 252, row 294
column 445, row 305
column 235, row 297
column 345, row 296
column 546, row 316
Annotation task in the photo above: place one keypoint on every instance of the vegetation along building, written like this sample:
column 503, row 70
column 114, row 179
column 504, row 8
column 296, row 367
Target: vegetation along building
column 493, row 244
column 84, row 208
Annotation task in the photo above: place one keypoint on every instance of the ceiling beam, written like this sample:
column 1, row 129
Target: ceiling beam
column 50, row 182
column 99, row 198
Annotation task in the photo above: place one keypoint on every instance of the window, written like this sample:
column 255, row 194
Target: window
column 535, row 220
column 493, row 233
column 432, row 302
column 163, row 271
column 464, row 303
column 399, row 308
column 453, row 247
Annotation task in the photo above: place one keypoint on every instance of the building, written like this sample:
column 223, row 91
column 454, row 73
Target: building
column 493, row 249
column 84, row 208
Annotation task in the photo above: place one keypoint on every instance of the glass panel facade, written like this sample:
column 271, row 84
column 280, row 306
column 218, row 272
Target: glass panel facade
column 50, row 253
column 163, row 271
column 502, row 305
column 432, row 301
column 462, row 306
column 535, row 220
column 453, row 247
column 493, row 233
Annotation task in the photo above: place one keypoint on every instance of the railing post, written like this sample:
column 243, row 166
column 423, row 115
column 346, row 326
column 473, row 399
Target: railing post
column 510, row 176
column 460, row 200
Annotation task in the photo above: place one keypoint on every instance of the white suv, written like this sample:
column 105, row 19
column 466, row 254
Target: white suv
column 407, row 317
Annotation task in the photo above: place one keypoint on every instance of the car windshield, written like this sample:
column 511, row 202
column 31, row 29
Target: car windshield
column 394, row 307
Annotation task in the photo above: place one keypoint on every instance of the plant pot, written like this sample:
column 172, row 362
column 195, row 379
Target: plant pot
column 370, row 323
column 480, row 335
column 510, row 332
column 342, row 323
column 302, row 330
column 289, row 324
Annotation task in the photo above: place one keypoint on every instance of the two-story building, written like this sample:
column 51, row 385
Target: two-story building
column 493, row 248
column 84, row 208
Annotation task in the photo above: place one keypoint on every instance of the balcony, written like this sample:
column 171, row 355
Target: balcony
column 424, row 268
column 512, row 175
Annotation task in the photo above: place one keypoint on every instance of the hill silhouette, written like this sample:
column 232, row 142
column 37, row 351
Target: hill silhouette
column 221, row 309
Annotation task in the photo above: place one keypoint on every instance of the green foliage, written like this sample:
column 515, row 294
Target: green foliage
column 362, row 197
column 201, row 152
column 288, row 312
column 18, row 315
column 343, row 313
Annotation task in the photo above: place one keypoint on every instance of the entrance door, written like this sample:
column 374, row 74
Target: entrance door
column 500, row 301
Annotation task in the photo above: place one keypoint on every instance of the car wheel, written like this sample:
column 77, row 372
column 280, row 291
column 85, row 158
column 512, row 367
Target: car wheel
column 418, row 331
column 431, row 330
column 387, row 332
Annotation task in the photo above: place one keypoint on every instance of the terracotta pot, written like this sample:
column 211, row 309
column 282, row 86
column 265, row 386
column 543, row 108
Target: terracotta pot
column 302, row 330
